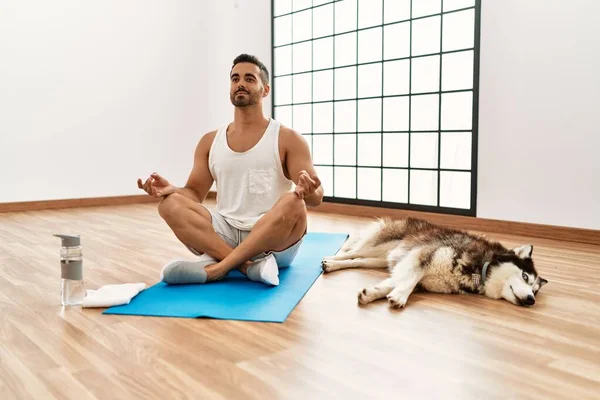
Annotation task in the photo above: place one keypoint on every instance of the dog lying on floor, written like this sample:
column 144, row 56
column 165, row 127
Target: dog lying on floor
column 427, row 257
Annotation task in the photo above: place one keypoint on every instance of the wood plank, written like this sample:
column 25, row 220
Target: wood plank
column 579, row 235
column 329, row 344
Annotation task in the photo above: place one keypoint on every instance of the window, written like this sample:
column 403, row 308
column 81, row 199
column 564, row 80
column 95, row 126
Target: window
column 385, row 93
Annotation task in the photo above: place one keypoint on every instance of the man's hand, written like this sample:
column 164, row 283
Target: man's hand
column 306, row 184
column 156, row 186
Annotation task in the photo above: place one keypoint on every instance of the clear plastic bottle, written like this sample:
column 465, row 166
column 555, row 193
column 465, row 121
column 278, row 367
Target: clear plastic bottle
column 72, row 286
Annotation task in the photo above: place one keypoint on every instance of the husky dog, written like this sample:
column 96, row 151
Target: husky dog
column 427, row 257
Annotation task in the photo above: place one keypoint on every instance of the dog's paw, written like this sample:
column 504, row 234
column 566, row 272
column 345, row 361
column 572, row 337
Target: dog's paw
column 362, row 297
column 327, row 265
column 396, row 302
column 365, row 296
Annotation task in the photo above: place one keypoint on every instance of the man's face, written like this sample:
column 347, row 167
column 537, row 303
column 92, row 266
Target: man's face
column 247, row 88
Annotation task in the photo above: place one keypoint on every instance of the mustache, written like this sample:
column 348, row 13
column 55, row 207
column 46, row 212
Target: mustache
column 241, row 90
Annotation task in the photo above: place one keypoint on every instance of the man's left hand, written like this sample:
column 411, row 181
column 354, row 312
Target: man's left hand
column 307, row 184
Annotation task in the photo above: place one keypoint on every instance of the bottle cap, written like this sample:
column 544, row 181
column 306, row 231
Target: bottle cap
column 69, row 240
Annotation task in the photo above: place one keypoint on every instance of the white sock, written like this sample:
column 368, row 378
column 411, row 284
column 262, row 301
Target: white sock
column 185, row 272
column 264, row 270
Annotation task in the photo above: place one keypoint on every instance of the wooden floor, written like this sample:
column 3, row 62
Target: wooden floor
column 439, row 347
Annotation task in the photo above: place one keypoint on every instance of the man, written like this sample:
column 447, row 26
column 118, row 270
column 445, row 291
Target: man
column 259, row 221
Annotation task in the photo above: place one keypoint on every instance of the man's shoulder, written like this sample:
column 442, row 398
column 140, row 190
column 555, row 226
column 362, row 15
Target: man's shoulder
column 207, row 138
column 289, row 135
column 205, row 143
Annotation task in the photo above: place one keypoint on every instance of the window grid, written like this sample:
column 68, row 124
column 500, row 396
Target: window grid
column 334, row 99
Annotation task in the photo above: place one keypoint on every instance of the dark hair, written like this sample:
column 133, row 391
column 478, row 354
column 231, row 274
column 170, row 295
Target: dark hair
column 264, row 73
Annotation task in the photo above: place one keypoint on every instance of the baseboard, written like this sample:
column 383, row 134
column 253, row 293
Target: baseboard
column 74, row 203
column 577, row 235
column 84, row 202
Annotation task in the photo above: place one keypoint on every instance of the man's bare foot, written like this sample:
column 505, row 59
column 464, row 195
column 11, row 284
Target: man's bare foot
column 214, row 272
column 244, row 268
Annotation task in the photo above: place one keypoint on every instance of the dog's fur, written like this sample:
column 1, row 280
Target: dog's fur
column 424, row 256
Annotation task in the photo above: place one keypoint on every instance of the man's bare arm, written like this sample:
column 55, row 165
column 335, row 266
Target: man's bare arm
column 200, row 179
column 298, row 163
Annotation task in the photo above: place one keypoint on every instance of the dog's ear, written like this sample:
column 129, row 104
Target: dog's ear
column 537, row 285
column 524, row 251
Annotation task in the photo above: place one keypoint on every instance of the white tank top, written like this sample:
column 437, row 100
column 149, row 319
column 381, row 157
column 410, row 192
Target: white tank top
column 249, row 183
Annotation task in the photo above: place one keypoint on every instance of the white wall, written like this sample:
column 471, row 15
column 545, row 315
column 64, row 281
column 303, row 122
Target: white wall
column 94, row 95
column 539, row 143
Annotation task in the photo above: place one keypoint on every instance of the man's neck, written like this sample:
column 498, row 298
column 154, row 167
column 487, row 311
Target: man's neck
column 245, row 117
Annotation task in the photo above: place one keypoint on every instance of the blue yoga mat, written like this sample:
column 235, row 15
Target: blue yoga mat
column 236, row 297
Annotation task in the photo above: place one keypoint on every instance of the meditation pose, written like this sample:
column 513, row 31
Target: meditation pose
column 260, row 218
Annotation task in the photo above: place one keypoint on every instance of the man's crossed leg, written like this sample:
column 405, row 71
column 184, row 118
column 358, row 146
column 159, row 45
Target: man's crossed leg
column 279, row 230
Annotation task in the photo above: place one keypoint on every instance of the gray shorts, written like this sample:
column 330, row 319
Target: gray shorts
column 234, row 236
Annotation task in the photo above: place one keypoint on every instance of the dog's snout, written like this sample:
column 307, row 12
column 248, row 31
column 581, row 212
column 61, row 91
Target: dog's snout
column 530, row 300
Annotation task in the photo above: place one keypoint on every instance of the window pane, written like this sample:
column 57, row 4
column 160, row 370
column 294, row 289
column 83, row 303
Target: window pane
column 282, row 7
column 303, row 57
column 366, row 83
column 457, row 71
column 345, row 182
column 302, row 25
column 345, row 16
column 396, row 41
column 459, row 30
column 345, row 83
column 425, row 74
column 421, row 8
column 450, row 5
column 325, row 174
column 302, row 88
column 395, row 114
column 284, row 115
column 283, row 92
column 455, row 189
column 323, row 149
column 283, row 60
column 323, row 21
column 457, row 110
column 323, row 53
column 423, row 150
column 345, row 116
column 323, row 118
column 395, row 185
column 301, row 4
column 395, row 149
column 456, row 150
column 345, row 49
column 423, row 187
column 369, row 149
column 303, row 118
column 396, row 75
column 323, row 85
column 369, row 183
column 369, row 115
column 424, row 112
column 396, row 10
column 426, row 36
column 369, row 80
column 283, row 30
column 369, row 13
column 369, row 45
column 345, row 149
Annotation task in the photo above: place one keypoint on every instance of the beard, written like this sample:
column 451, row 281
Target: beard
column 244, row 99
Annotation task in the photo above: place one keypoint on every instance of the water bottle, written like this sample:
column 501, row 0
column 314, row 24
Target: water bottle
column 72, row 288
